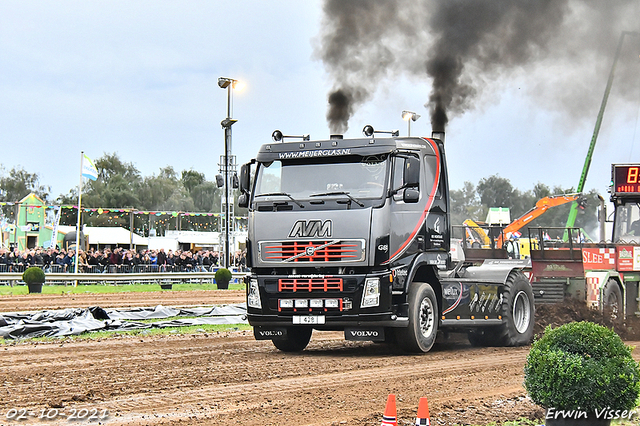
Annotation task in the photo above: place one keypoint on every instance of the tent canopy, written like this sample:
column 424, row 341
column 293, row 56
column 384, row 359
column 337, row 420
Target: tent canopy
column 102, row 235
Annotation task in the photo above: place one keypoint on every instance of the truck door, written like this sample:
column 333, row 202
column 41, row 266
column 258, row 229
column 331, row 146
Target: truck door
column 406, row 232
column 436, row 221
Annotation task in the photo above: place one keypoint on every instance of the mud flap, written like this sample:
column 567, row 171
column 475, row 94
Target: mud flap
column 375, row 334
column 264, row 333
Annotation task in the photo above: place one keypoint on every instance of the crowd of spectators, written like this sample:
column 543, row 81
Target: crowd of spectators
column 118, row 259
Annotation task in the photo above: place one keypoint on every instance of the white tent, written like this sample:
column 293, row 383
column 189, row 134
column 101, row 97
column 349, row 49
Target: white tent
column 103, row 236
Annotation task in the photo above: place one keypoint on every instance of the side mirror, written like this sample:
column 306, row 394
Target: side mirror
column 243, row 200
column 245, row 177
column 411, row 172
column 410, row 195
column 244, row 183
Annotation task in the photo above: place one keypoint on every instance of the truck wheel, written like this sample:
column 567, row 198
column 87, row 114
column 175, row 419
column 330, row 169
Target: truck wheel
column 421, row 333
column 612, row 299
column 297, row 339
column 518, row 312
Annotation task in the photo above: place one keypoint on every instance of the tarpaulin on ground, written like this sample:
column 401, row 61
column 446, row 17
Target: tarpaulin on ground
column 168, row 312
column 67, row 322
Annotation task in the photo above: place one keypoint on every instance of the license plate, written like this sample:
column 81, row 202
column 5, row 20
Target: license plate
column 308, row 319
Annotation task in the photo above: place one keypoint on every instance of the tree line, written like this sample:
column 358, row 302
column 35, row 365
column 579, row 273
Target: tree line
column 120, row 185
column 473, row 202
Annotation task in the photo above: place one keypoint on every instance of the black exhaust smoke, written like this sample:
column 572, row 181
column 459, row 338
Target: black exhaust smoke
column 462, row 46
column 341, row 106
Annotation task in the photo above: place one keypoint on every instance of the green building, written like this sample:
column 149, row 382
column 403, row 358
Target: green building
column 33, row 229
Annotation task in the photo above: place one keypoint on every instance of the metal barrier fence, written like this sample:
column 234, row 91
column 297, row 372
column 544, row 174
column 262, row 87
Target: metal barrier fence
column 123, row 276
column 111, row 269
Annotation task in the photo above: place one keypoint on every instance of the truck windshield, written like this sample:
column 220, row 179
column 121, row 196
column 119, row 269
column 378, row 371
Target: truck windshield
column 627, row 223
column 361, row 177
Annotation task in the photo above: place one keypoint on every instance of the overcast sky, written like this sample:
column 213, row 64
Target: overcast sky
column 139, row 78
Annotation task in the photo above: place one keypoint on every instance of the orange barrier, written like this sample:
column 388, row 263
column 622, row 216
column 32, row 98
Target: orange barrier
column 389, row 417
column 422, row 419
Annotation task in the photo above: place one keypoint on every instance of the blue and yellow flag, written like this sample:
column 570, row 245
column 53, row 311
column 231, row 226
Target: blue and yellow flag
column 89, row 169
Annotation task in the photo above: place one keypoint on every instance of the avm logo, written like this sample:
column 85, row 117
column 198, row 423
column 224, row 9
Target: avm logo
column 311, row 228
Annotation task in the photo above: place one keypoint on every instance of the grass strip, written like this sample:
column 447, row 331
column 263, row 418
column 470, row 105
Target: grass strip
column 20, row 290
column 98, row 335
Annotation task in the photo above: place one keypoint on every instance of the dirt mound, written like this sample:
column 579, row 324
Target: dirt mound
column 571, row 310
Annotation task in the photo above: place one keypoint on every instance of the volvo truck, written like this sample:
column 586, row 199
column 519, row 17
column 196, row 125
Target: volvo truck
column 353, row 235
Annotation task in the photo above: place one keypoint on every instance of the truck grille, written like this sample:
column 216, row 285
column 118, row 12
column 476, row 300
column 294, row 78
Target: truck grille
column 310, row 284
column 313, row 251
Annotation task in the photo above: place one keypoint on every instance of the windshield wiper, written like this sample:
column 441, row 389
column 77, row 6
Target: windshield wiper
column 284, row 194
column 338, row 193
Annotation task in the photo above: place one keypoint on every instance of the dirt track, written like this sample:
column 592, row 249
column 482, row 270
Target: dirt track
column 231, row 379
column 34, row 302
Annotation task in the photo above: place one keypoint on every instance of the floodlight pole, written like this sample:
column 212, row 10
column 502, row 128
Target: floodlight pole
column 227, row 83
column 409, row 116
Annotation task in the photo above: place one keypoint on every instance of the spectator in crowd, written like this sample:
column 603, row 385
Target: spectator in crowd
column 128, row 261
column 95, row 261
column 171, row 261
column 240, row 260
column 162, row 259
column 60, row 260
column 47, row 257
column 153, row 258
column 83, row 263
column 23, row 260
column 206, row 260
column 115, row 258
column 69, row 261
column 3, row 254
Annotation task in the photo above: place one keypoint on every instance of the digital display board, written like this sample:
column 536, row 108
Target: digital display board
column 626, row 178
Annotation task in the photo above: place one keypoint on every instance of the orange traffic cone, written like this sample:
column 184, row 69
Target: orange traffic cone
column 422, row 419
column 389, row 417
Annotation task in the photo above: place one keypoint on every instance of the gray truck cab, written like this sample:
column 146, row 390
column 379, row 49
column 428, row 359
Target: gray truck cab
column 350, row 235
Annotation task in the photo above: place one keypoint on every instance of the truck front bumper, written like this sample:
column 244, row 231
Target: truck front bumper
column 326, row 322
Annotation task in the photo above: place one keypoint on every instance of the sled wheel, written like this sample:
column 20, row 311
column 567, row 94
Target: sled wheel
column 612, row 299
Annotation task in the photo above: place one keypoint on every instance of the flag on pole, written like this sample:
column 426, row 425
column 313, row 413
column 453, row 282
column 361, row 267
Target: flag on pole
column 88, row 168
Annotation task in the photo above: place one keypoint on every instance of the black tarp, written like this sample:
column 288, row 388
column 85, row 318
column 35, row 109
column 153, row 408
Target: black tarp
column 67, row 322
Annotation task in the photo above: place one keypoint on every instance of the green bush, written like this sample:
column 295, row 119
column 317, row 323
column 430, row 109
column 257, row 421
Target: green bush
column 584, row 366
column 223, row 276
column 33, row 275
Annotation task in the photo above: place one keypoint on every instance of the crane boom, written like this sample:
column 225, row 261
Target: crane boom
column 573, row 213
column 542, row 205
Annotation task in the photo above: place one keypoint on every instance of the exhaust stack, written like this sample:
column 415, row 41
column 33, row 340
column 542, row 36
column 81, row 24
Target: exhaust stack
column 336, row 136
column 438, row 134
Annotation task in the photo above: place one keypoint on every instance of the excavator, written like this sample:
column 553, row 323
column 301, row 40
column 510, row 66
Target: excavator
column 479, row 238
column 476, row 235
column 541, row 206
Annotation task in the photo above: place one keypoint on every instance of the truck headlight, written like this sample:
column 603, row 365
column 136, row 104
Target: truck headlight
column 301, row 303
column 332, row 303
column 316, row 303
column 253, row 295
column 371, row 293
column 286, row 303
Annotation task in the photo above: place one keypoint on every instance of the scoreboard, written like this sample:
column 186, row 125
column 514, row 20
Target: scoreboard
column 625, row 179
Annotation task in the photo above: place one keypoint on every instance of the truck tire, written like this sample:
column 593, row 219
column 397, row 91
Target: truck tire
column 612, row 300
column 518, row 311
column 420, row 335
column 518, row 316
column 297, row 339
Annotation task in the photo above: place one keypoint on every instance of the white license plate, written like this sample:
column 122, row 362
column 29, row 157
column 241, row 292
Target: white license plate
column 308, row 319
